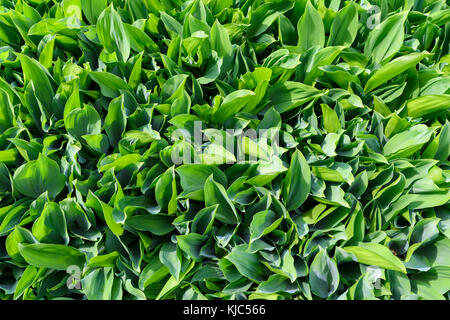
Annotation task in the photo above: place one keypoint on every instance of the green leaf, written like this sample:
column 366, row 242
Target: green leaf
column 204, row 219
column 290, row 95
column 7, row 116
column 310, row 29
column 17, row 236
column 153, row 272
column 99, row 284
column 50, row 226
column 191, row 244
column 386, row 39
column 93, row 8
column 83, row 121
column 112, row 33
column 297, row 183
column 330, row 119
column 276, row 283
column 323, row 275
column 116, row 120
column 105, row 260
column 345, row 26
column 156, row 224
column 427, row 105
column 263, row 223
column 215, row 193
column 193, row 177
column 374, row 254
column 424, row 232
column 42, row 81
column 46, row 56
column 233, row 103
column 220, row 41
column 110, row 84
column 26, row 280
column 139, row 40
column 407, row 142
column 248, row 264
column 393, row 69
column 39, row 176
column 166, row 191
column 170, row 256
column 135, row 77
column 400, row 284
column 114, row 218
column 52, row 256
column 172, row 26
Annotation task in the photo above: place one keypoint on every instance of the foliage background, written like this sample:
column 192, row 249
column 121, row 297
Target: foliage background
column 353, row 203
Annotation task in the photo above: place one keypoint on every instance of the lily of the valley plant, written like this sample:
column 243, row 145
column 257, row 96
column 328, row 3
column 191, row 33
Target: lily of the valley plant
column 224, row 149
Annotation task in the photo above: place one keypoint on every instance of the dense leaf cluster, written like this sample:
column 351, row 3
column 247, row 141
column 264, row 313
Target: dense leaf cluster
column 346, row 197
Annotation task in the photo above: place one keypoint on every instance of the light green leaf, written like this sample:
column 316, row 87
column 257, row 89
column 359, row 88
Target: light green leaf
column 374, row 254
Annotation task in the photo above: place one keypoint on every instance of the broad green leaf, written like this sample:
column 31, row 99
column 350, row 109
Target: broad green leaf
column 276, row 283
column 50, row 226
column 153, row 272
column 407, row 142
column 393, row 69
column 7, row 116
column 116, row 120
column 289, row 95
column 427, row 105
column 170, row 256
column 204, row 219
column 232, row 103
column 191, row 244
column 424, row 232
column 323, row 275
column 310, row 29
column 135, row 77
column 83, row 121
column 99, row 284
column 52, row 256
column 26, row 280
column 386, row 38
column 42, row 81
column 400, row 284
column 112, row 33
column 263, row 223
column 39, row 176
column 93, row 8
column 172, row 26
column 374, row 254
column 139, row 40
column 297, row 184
column 166, row 191
column 248, row 264
column 345, row 26
column 110, row 84
column 193, row 177
column 18, row 236
column 215, row 193
column 330, row 119
column 155, row 224
column 105, row 260
column 114, row 218
column 220, row 41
